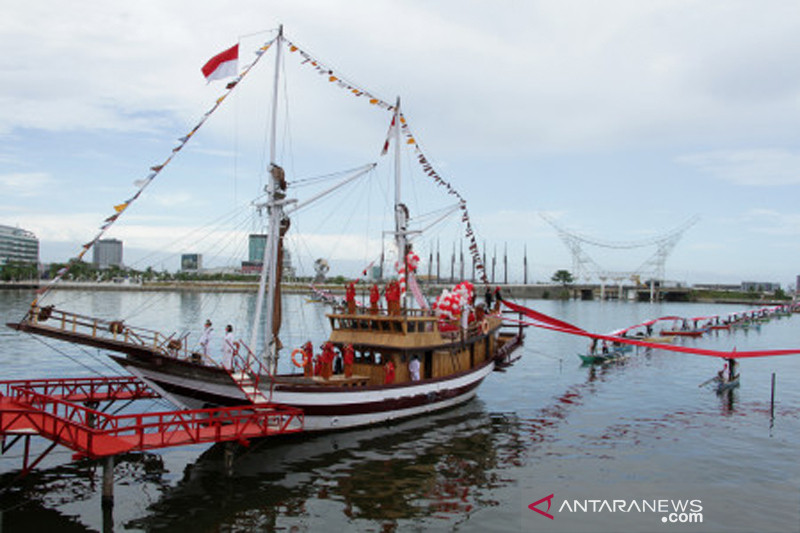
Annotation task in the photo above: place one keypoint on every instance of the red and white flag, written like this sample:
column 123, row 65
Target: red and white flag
column 222, row 65
column 388, row 136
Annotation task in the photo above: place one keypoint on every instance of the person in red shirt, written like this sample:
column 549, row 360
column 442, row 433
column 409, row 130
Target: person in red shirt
column 348, row 356
column 374, row 299
column 327, row 360
column 388, row 372
column 393, row 297
column 308, row 358
column 350, row 298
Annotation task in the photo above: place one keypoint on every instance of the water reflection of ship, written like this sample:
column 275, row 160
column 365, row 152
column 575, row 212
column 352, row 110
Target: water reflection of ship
column 437, row 466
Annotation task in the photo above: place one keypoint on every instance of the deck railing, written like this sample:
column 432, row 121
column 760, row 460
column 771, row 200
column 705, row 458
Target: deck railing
column 114, row 330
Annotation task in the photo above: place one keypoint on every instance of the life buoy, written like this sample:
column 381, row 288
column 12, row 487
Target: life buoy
column 485, row 326
column 303, row 360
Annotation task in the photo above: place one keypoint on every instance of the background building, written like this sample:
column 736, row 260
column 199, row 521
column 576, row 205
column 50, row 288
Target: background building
column 255, row 258
column 107, row 252
column 17, row 244
column 191, row 262
column 760, row 286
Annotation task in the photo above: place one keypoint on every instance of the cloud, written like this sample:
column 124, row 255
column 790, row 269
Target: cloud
column 766, row 167
column 771, row 222
column 24, row 184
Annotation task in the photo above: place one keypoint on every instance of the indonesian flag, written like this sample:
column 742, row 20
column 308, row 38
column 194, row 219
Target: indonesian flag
column 222, row 65
column 388, row 136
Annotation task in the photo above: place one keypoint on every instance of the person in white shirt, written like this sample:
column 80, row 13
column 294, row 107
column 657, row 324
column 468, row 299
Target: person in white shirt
column 205, row 337
column 228, row 347
column 413, row 368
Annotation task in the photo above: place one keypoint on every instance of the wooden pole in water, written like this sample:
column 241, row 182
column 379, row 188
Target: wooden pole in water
column 108, row 482
column 772, row 398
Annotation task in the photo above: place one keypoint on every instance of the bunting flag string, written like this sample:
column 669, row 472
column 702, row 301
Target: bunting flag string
column 155, row 170
column 428, row 168
column 336, row 79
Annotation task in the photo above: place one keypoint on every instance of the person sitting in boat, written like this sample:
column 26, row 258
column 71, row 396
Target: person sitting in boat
column 205, row 337
column 721, row 373
column 350, row 297
column 374, row 299
column 308, row 359
column 413, row 368
column 228, row 348
column 605, row 347
column 348, row 356
column 388, row 372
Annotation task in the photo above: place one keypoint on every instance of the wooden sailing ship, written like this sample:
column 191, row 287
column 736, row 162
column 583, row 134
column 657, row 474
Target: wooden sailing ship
column 453, row 361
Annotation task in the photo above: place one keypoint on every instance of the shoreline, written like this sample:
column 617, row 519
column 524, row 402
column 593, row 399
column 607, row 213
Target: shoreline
column 530, row 291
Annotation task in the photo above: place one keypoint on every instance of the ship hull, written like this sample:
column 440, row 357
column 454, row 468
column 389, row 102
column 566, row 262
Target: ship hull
column 325, row 408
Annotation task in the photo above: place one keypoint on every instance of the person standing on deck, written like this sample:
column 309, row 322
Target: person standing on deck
column 348, row 356
column 388, row 372
column 327, row 360
column 350, row 298
column 308, row 359
column 374, row 299
column 393, row 298
column 228, row 347
column 413, row 368
column 205, row 337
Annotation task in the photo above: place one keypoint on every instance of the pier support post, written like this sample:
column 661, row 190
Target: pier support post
column 108, row 482
column 230, row 448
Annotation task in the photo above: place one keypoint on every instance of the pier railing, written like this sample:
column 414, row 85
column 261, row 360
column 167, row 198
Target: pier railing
column 25, row 409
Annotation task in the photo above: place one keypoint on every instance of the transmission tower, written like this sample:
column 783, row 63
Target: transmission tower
column 583, row 266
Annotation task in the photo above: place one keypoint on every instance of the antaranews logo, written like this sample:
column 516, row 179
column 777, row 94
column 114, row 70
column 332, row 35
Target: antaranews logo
column 671, row 511
column 549, row 500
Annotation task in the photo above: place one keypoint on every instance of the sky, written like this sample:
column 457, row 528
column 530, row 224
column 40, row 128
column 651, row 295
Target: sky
column 619, row 121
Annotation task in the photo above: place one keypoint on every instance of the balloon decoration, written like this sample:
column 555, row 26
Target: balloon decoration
column 449, row 305
column 412, row 261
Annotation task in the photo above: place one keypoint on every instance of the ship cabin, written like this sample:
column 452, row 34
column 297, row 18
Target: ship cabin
column 443, row 348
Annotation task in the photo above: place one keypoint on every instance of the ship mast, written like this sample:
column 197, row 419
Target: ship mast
column 269, row 286
column 400, row 210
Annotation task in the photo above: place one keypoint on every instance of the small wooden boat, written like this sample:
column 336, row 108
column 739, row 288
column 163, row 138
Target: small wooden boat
column 683, row 332
column 603, row 359
column 727, row 384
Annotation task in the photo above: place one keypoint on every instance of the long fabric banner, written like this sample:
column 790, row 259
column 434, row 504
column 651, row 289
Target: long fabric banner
column 544, row 321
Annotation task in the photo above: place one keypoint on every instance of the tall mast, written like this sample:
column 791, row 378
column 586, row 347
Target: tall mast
column 269, row 267
column 400, row 211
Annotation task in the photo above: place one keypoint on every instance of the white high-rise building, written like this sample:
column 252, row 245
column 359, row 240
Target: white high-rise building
column 17, row 244
column 107, row 252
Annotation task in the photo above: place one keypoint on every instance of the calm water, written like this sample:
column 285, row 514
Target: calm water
column 640, row 431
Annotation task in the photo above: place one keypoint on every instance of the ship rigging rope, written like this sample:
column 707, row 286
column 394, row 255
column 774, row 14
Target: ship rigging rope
column 154, row 172
column 97, row 358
